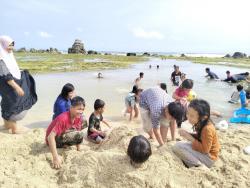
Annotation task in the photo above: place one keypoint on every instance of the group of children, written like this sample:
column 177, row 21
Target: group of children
column 203, row 146
column 68, row 122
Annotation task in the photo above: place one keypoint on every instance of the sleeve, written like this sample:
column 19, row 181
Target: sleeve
column 59, row 128
column 177, row 92
column 101, row 118
column 4, row 71
column 62, row 106
column 206, row 141
column 172, row 76
column 91, row 122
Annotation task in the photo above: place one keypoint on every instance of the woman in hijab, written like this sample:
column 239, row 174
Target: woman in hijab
column 16, row 88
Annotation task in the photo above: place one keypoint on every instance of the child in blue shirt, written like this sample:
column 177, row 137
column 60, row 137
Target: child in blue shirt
column 243, row 98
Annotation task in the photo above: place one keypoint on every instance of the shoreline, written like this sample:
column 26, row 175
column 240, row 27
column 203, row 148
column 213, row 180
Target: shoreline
column 54, row 63
column 230, row 62
column 40, row 63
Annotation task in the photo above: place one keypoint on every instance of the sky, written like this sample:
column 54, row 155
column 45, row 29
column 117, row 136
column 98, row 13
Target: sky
column 182, row 26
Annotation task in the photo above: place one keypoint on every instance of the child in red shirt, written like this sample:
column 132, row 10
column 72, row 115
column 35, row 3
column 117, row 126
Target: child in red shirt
column 65, row 129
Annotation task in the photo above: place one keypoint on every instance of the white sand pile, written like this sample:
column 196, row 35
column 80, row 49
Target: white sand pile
column 26, row 162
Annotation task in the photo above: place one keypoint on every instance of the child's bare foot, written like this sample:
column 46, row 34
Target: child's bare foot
column 19, row 130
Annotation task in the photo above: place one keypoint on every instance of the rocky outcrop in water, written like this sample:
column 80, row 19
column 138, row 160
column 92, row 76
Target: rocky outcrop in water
column 146, row 54
column 239, row 55
column 131, row 54
column 92, row 52
column 77, row 48
column 22, row 50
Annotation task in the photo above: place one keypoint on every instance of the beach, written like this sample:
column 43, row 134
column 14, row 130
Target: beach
column 26, row 162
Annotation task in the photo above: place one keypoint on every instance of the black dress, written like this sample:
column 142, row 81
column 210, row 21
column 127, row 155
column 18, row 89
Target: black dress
column 12, row 103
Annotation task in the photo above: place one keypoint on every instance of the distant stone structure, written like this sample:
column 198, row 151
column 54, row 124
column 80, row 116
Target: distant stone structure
column 183, row 55
column 227, row 56
column 239, row 55
column 146, row 54
column 131, row 54
column 77, row 48
column 22, row 50
column 92, row 52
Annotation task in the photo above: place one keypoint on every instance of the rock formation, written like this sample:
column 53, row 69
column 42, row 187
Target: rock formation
column 77, row 48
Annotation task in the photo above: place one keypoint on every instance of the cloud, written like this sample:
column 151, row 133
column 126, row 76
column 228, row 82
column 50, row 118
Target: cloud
column 44, row 34
column 79, row 29
column 141, row 33
column 26, row 33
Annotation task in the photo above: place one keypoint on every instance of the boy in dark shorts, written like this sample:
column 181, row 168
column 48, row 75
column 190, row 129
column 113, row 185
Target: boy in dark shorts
column 65, row 130
column 95, row 133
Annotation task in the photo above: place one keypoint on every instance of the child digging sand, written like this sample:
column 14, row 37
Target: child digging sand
column 65, row 129
column 203, row 146
column 95, row 134
column 130, row 102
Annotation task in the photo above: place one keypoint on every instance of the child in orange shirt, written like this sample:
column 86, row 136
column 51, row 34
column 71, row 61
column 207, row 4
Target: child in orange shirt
column 204, row 146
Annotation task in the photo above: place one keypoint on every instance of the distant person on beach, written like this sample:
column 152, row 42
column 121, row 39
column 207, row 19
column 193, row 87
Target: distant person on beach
column 176, row 76
column 130, row 102
column 156, row 115
column 99, row 75
column 150, row 66
column 63, row 101
column 211, row 74
column 65, row 130
column 203, row 146
column 158, row 66
column 236, row 77
column 139, row 150
column 17, row 88
column 95, row 133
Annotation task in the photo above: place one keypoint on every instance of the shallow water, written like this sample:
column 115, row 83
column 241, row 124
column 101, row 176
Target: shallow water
column 117, row 83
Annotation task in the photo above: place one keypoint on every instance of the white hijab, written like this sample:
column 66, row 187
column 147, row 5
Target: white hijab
column 9, row 58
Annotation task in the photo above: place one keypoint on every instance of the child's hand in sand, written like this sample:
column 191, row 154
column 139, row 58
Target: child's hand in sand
column 57, row 162
column 186, row 135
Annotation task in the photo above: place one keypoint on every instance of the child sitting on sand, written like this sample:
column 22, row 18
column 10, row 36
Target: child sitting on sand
column 95, row 133
column 65, row 130
column 139, row 150
column 130, row 102
column 203, row 146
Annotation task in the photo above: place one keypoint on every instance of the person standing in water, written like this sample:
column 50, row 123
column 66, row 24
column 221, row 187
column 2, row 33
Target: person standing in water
column 138, row 80
column 176, row 76
column 16, row 88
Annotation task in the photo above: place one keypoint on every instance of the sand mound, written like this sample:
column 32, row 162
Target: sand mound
column 26, row 162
